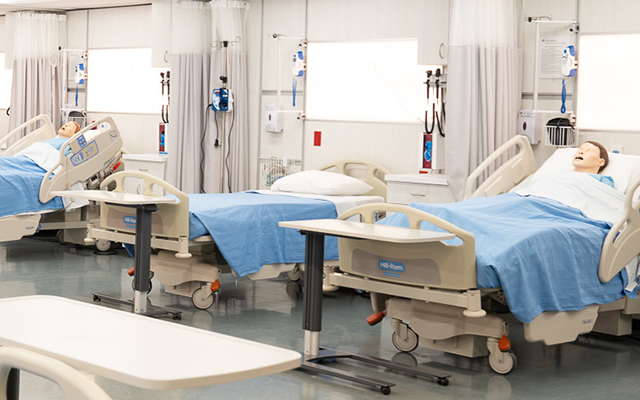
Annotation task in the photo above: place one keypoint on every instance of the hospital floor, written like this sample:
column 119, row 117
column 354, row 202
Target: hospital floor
column 593, row 367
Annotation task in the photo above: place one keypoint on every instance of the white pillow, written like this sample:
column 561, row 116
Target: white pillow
column 322, row 183
column 621, row 167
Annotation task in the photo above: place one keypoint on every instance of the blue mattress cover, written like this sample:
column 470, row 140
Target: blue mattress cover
column 20, row 179
column 244, row 226
column 543, row 254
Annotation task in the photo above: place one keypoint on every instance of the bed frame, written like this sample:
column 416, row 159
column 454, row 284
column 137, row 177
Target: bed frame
column 442, row 308
column 191, row 268
column 90, row 170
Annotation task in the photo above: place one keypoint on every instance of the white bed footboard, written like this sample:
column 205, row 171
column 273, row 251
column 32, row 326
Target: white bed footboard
column 82, row 156
column 622, row 243
column 170, row 221
column 509, row 174
column 435, row 265
column 44, row 132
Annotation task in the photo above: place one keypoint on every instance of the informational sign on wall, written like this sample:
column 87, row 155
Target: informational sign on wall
column 551, row 48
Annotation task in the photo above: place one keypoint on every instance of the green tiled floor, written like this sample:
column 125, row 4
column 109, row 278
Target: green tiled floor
column 593, row 367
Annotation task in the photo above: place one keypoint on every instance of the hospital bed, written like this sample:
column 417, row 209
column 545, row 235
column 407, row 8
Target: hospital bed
column 83, row 161
column 204, row 233
column 434, row 295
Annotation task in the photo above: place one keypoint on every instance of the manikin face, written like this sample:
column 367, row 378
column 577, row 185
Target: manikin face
column 587, row 159
column 69, row 129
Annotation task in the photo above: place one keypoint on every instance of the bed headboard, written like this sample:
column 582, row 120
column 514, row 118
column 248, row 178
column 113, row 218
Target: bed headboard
column 370, row 172
column 96, row 150
column 43, row 132
column 509, row 174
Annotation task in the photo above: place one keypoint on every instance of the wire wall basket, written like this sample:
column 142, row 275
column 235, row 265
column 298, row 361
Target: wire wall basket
column 560, row 133
column 78, row 116
column 274, row 168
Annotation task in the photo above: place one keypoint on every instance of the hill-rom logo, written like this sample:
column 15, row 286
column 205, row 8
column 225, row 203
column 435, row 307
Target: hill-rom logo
column 391, row 268
column 129, row 221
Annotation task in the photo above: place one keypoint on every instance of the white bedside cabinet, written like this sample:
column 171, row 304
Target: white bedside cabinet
column 420, row 188
column 152, row 164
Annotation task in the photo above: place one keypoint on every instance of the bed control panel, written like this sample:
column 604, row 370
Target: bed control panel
column 85, row 153
column 78, row 144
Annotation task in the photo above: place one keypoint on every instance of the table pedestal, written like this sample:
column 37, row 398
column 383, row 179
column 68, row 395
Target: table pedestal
column 312, row 324
column 141, row 276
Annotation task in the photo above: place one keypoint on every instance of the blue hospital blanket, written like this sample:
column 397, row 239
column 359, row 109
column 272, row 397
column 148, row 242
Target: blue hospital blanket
column 245, row 227
column 543, row 254
column 20, row 179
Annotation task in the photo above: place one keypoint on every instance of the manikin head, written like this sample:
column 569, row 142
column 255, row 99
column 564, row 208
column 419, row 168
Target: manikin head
column 69, row 129
column 591, row 157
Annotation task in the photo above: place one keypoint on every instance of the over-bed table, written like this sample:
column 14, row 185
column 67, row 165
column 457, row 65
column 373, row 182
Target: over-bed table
column 92, row 339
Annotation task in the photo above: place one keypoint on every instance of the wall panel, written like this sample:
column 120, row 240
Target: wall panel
column 124, row 27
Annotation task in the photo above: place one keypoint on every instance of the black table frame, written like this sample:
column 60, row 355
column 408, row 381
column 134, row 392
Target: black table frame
column 312, row 324
column 142, row 269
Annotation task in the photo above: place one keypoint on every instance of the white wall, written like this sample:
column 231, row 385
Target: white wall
column 593, row 16
column 127, row 27
column 396, row 146
column 4, row 119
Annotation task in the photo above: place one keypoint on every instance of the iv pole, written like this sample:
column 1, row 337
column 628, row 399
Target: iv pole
column 223, row 124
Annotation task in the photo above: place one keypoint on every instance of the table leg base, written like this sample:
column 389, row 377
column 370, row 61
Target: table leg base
column 311, row 365
column 152, row 311
column 317, row 369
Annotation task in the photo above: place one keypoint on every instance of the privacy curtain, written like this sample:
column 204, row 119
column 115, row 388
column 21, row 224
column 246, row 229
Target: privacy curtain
column 194, row 162
column 484, row 83
column 190, row 74
column 37, row 67
column 229, row 24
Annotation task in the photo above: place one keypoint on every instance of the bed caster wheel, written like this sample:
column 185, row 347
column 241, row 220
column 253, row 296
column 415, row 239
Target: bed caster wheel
column 103, row 245
column 201, row 299
column 405, row 345
column 176, row 317
column 443, row 381
column 295, row 274
column 96, row 298
column 503, row 363
column 385, row 390
column 60, row 237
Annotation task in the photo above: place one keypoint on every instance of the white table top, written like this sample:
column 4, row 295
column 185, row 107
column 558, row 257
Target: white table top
column 360, row 230
column 134, row 349
column 114, row 197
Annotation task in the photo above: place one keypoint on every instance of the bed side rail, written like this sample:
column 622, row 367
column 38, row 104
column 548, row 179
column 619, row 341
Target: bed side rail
column 43, row 132
column 170, row 220
column 78, row 164
column 622, row 243
column 509, row 174
column 441, row 265
column 374, row 174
